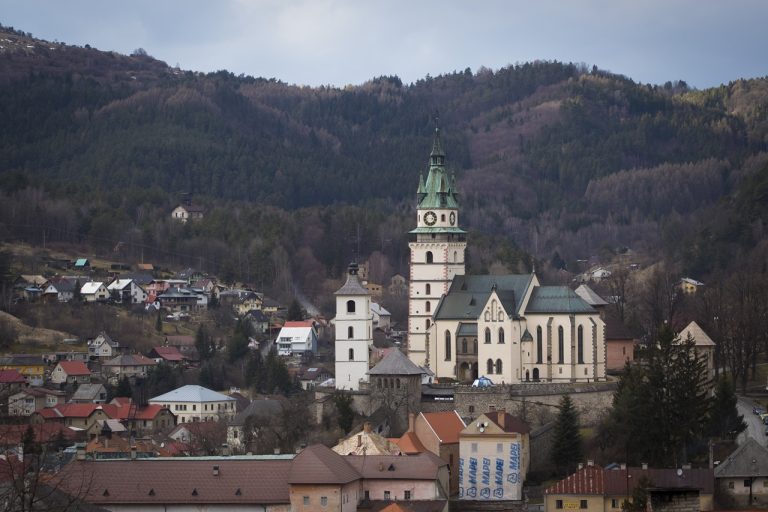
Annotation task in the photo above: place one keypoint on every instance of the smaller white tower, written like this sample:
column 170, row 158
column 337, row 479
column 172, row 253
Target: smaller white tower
column 354, row 332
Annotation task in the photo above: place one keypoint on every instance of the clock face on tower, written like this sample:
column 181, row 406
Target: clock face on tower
column 452, row 218
column 430, row 218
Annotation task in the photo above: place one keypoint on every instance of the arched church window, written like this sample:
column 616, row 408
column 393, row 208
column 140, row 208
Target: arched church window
column 442, row 218
column 498, row 366
column 580, row 345
column 351, row 354
column 397, row 383
column 464, row 346
column 350, row 332
column 428, row 323
column 350, row 306
column 448, row 345
column 487, row 316
column 429, row 306
column 489, row 367
column 501, row 315
column 560, row 345
column 501, row 335
column 428, row 289
column 474, row 346
column 487, row 335
column 455, row 256
column 430, row 258
column 539, row 344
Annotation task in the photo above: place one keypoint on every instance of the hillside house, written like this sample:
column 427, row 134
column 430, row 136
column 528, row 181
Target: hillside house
column 71, row 372
column 398, row 286
column 744, row 475
column 178, row 300
column 25, row 402
column 689, row 285
column 381, row 317
column 127, row 291
column 103, row 347
column 310, row 378
column 126, row 366
column 90, row 394
column 195, row 403
column 61, row 290
column 704, row 346
column 186, row 212
column 168, row 355
column 296, row 338
column 94, row 291
column 259, row 321
column 31, row 367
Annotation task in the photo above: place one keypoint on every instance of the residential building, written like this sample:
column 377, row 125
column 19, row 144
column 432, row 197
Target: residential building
column 297, row 337
column 524, row 332
column 94, row 291
column 79, row 416
column 689, row 285
column 382, row 319
column 127, row 365
column 187, row 212
column 744, row 475
column 196, row 403
column 32, row 399
column 594, row 489
column 494, row 457
column 179, row 300
column 704, row 346
column 354, row 332
column 259, row 320
column 60, row 290
column 310, row 378
column 142, row 419
column 366, row 442
column 169, row 355
column 32, row 367
column 127, row 291
column 398, row 286
column 90, row 394
column 71, row 372
column 103, row 347
column 259, row 412
column 439, row 433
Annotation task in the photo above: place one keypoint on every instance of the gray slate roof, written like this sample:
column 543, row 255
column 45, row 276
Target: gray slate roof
column 259, row 408
column 88, row 392
column 557, row 299
column 590, row 296
column 467, row 329
column 396, row 363
column 468, row 294
column 353, row 285
column 191, row 393
column 739, row 464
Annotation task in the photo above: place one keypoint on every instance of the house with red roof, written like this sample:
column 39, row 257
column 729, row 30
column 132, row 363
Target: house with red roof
column 144, row 419
column 29, row 400
column 71, row 372
column 595, row 489
column 127, row 365
column 77, row 416
column 11, row 382
column 169, row 355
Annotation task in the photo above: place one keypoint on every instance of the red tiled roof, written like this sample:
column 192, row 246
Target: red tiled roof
column 169, row 353
column 74, row 368
column 182, row 481
column 423, row 466
column 447, row 425
column 44, row 432
column 409, row 444
column 318, row 464
column 302, row 323
column 587, row 480
column 72, row 410
column 11, row 377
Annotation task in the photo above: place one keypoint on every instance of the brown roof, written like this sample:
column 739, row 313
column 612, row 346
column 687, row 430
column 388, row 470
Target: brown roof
column 587, row 480
column 11, row 377
column 511, row 423
column 184, row 481
column 615, row 329
column 409, row 444
column 447, row 425
column 702, row 479
column 318, row 464
column 74, row 368
column 168, row 353
column 423, row 466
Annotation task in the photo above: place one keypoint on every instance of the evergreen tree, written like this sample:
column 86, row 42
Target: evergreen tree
column 295, row 313
column 124, row 388
column 346, row 415
column 159, row 322
column 203, row 344
column 237, row 347
column 725, row 421
column 277, row 378
column 566, row 447
column 160, row 379
column 254, row 371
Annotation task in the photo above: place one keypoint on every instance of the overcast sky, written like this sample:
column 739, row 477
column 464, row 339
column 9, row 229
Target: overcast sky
column 339, row 42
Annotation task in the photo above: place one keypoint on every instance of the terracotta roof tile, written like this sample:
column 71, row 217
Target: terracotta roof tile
column 587, row 480
column 511, row 423
column 447, row 425
column 11, row 377
column 409, row 444
column 74, row 368
column 318, row 464
column 615, row 480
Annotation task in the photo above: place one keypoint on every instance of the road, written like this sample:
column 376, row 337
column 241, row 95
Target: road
column 755, row 427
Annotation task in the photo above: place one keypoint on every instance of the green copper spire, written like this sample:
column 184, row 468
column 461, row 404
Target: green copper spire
column 439, row 190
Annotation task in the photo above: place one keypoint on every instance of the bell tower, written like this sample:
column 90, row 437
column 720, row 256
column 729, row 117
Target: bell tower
column 437, row 250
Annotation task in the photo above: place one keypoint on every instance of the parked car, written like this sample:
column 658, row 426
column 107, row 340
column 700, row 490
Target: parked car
column 757, row 410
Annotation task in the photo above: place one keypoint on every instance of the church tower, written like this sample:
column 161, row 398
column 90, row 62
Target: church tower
column 354, row 332
column 437, row 251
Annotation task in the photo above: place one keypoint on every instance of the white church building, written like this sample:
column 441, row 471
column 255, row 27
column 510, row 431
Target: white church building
column 354, row 332
column 509, row 328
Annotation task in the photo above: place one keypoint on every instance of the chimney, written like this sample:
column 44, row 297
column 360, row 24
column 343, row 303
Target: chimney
column 359, row 440
column 644, row 466
column 502, row 416
column 276, row 451
column 590, row 462
column 216, row 470
column 133, row 452
column 80, row 447
column 581, row 466
column 623, row 466
column 367, row 427
column 411, row 421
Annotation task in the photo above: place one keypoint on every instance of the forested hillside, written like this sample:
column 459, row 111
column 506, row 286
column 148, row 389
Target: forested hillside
column 551, row 159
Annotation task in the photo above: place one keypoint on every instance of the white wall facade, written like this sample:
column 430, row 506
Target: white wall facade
column 354, row 336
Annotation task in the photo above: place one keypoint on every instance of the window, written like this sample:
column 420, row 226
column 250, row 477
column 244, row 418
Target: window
column 464, row 346
column 430, row 258
column 351, row 354
column 427, row 323
column 306, row 500
column 471, row 409
column 323, row 501
column 538, row 344
column 582, row 503
column 350, row 306
column 498, row 366
column 499, row 447
column 487, row 316
column 367, row 495
column 501, row 335
column 447, row 345
column 350, row 332
column 397, row 383
column 731, row 485
column 455, row 256
column 442, row 217
column 487, row 335
column 558, row 504
column 489, row 367
column 614, row 503
column 407, row 495
column 474, row 346
column 560, row 344
column 429, row 306
column 747, row 482
column 474, row 447
column 428, row 289
column 386, row 495
column 580, row 345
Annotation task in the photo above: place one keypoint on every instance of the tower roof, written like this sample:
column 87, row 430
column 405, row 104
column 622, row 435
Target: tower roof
column 353, row 286
column 439, row 189
column 395, row 363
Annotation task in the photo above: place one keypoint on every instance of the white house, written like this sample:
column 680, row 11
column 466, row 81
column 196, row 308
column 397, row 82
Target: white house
column 296, row 338
column 196, row 403
column 381, row 317
column 186, row 212
column 94, row 291
column 127, row 291
column 71, row 372
column 102, row 347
